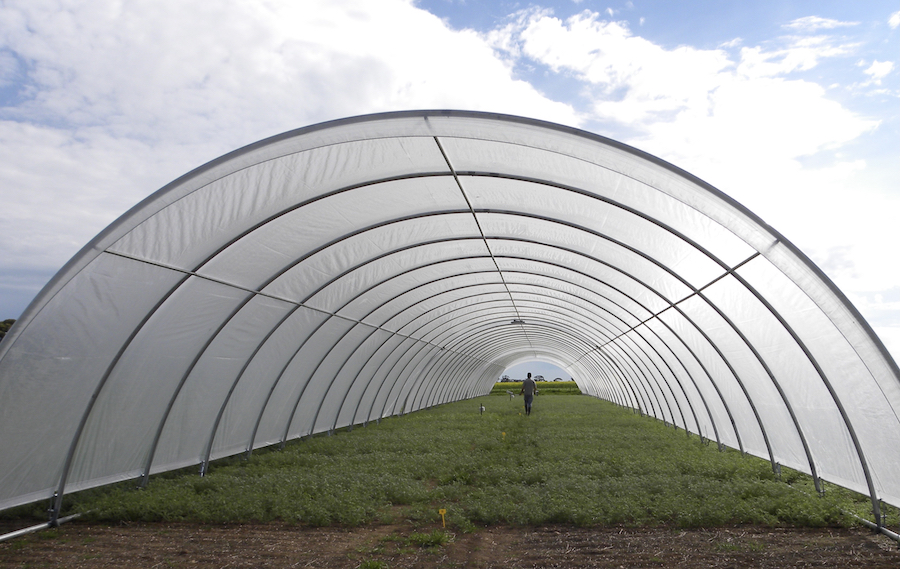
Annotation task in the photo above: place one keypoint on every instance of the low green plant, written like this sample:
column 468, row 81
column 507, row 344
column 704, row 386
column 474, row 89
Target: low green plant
column 575, row 460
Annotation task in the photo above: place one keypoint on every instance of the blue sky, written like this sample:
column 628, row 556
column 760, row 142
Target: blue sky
column 789, row 107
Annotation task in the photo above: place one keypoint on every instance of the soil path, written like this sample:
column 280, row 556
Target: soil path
column 83, row 545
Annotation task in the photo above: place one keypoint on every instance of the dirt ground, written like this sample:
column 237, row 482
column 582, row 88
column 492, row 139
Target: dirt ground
column 82, row 545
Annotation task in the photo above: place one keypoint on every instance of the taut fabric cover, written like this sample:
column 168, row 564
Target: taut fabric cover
column 378, row 265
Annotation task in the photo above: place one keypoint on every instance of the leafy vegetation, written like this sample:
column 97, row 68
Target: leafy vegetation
column 575, row 460
column 432, row 539
column 5, row 326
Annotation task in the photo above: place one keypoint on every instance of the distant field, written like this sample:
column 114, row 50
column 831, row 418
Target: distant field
column 543, row 387
column 575, row 460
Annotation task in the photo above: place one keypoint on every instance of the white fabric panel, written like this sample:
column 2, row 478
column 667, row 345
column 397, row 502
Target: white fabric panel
column 481, row 336
column 329, row 395
column 307, row 390
column 867, row 407
column 373, row 373
column 583, row 243
column 451, row 307
column 465, row 317
column 602, row 278
column 626, row 161
column 814, row 407
column 252, row 393
column 584, row 320
column 707, row 404
column 193, row 416
column 838, row 309
column 396, row 313
column 269, row 250
column 622, row 380
column 583, row 211
column 623, row 368
column 352, row 379
column 59, row 365
column 398, row 376
column 726, row 383
column 615, row 306
column 634, row 364
column 610, row 381
column 479, row 382
column 383, row 378
column 132, row 405
column 357, row 294
column 189, row 230
column 673, row 387
column 315, row 271
column 449, row 372
column 581, row 170
column 410, row 377
column 482, row 379
column 603, row 384
column 267, row 405
column 445, row 369
column 776, row 420
column 584, row 316
column 418, row 398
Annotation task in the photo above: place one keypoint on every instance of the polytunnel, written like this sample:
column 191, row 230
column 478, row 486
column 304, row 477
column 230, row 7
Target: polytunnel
column 378, row 265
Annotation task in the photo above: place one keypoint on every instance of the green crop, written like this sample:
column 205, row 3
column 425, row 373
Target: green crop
column 575, row 460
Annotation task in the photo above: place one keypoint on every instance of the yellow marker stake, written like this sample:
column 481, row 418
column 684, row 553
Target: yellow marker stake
column 504, row 435
column 442, row 511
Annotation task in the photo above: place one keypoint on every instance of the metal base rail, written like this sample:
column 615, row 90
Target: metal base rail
column 868, row 523
column 39, row 527
column 876, row 527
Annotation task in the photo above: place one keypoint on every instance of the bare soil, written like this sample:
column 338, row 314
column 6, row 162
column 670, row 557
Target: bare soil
column 81, row 545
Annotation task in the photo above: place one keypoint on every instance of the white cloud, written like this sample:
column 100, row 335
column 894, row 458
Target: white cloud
column 879, row 70
column 633, row 78
column 800, row 54
column 815, row 23
column 66, row 186
column 894, row 20
column 637, row 82
column 121, row 98
column 747, row 124
column 171, row 68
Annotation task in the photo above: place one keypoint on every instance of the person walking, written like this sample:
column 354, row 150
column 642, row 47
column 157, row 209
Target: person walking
column 529, row 388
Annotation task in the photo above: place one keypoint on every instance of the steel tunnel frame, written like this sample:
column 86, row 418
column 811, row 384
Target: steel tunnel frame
column 432, row 347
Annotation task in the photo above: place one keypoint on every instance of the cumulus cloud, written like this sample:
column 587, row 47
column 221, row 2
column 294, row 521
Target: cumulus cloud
column 879, row 70
column 106, row 101
column 118, row 99
column 632, row 79
column 170, row 68
column 701, row 94
column 751, row 123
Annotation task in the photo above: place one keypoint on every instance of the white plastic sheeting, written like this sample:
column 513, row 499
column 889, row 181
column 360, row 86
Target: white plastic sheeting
column 362, row 268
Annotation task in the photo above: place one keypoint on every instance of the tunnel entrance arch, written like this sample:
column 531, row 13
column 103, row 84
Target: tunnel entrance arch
column 347, row 271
